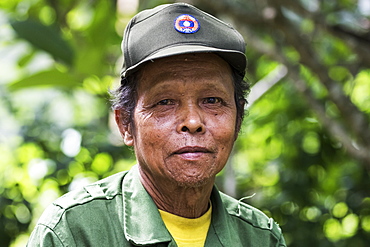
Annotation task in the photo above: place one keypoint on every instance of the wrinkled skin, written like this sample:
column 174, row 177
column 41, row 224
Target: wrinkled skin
column 184, row 129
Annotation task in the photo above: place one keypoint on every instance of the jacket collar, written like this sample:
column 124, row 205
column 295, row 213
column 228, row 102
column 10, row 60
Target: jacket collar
column 142, row 222
column 222, row 229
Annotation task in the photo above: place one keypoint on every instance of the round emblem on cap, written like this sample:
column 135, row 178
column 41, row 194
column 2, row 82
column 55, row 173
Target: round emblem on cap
column 186, row 24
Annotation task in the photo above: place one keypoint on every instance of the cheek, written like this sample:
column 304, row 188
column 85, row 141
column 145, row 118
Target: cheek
column 223, row 126
column 151, row 135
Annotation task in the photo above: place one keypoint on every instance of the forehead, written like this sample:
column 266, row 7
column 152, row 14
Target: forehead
column 196, row 66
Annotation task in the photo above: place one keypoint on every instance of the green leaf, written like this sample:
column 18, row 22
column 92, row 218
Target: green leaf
column 23, row 61
column 46, row 38
column 45, row 78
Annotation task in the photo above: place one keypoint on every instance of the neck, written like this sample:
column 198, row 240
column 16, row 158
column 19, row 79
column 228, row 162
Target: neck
column 184, row 201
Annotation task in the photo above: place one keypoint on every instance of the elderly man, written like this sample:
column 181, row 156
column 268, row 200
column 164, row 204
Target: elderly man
column 180, row 106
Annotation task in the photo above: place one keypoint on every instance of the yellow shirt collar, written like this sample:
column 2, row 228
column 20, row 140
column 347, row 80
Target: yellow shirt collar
column 185, row 231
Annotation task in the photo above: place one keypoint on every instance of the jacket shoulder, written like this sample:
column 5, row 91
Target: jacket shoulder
column 107, row 188
column 250, row 215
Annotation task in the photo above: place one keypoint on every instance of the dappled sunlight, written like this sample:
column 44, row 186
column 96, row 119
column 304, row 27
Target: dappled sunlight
column 71, row 143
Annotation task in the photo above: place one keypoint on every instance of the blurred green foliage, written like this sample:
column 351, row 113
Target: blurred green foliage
column 58, row 60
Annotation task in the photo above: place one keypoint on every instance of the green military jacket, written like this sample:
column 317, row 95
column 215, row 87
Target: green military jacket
column 117, row 211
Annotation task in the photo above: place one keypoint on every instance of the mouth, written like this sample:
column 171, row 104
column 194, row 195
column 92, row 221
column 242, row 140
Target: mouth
column 195, row 149
column 192, row 153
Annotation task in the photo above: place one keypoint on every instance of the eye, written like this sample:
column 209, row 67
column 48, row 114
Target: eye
column 165, row 102
column 212, row 100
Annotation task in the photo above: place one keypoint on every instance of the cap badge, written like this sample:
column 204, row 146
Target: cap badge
column 186, row 24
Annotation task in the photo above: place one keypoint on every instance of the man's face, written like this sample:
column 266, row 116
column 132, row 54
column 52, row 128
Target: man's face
column 185, row 118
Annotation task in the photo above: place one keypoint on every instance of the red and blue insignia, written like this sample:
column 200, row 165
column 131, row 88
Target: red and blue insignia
column 186, row 24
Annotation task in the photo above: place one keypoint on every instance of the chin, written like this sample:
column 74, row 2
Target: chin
column 193, row 181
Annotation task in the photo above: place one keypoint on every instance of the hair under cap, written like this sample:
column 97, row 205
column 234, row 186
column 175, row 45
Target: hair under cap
column 179, row 28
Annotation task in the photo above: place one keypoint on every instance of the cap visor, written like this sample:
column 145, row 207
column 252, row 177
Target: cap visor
column 234, row 58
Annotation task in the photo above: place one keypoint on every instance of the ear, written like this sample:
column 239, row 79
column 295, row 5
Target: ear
column 124, row 129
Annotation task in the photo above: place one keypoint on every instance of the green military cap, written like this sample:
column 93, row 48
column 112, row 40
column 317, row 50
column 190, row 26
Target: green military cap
column 179, row 28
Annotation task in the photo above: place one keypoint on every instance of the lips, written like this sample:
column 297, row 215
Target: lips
column 192, row 153
column 196, row 149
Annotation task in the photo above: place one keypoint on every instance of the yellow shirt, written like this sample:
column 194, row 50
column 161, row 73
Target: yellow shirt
column 185, row 231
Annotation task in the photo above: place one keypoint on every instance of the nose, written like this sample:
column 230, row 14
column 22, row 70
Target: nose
column 191, row 120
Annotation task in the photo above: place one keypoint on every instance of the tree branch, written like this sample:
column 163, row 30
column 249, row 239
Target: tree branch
column 286, row 34
column 335, row 129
